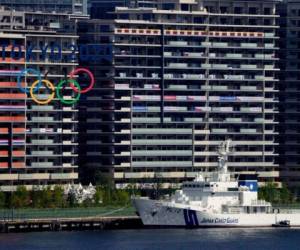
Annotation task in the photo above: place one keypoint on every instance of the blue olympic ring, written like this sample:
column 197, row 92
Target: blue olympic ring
column 23, row 73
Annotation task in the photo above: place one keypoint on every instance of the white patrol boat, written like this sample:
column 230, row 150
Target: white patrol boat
column 215, row 202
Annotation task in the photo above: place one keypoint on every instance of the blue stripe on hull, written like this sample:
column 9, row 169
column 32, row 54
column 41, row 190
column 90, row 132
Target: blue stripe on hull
column 190, row 218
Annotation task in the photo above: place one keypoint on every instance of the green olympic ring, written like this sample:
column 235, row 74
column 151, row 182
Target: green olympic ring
column 59, row 87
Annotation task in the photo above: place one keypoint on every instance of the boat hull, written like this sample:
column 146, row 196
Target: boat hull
column 157, row 213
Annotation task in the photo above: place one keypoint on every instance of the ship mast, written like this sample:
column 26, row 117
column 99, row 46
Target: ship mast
column 225, row 148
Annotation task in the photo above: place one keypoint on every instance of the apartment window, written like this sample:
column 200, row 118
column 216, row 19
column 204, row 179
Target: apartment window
column 253, row 10
column 267, row 22
column 252, row 21
column 104, row 28
column 238, row 21
column 184, row 7
column 168, row 6
column 124, row 16
column 238, row 10
column 147, row 17
column 267, row 11
column 224, row 20
column 198, row 20
column 223, row 9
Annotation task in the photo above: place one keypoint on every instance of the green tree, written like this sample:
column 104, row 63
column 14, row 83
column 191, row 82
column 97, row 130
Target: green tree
column 286, row 196
column 71, row 200
column 2, row 199
column 104, row 179
column 58, row 197
column 99, row 196
column 107, row 196
column 20, row 198
column 270, row 192
column 36, row 197
column 123, row 197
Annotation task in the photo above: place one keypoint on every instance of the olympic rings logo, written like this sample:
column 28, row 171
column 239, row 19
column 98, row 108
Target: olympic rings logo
column 75, row 86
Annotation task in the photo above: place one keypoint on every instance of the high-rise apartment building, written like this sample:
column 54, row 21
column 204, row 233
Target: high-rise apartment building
column 102, row 9
column 61, row 6
column 38, row 143
column 289, row 12
column 178, row 79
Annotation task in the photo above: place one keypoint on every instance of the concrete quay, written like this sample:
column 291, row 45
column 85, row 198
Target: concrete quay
column 69, row 224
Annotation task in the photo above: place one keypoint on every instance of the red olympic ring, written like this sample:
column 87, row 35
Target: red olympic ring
column 89, row 73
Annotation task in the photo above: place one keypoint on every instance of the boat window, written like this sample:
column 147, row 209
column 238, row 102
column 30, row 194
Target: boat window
column 206, row 185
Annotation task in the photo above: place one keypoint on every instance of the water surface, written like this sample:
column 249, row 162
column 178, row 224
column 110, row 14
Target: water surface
column 173, row 239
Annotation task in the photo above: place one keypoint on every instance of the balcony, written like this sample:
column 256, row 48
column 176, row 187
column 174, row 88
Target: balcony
column 163, row 153
column 42, row 164
column 146, row 120
column 64, row 176
column 269, row 35
column 177, row 87
column 248, row 66
column 269, row 67
column 251, row 110
column 248, row 88
column 139, row 175
column 206, row 66
column 249, row 45
column 237, row 56
column 219, row 130
column 178, row 65
column 42, row 108
column 219, row 66
column 202, row 132
column 259, row 120
column 260, row 77
column 42, row 153
column 269, row 45
column 219, row 88
column 162, row 163
column 248, row 131
column 193, row 119
column 42, row 142
column 161, row 131
column 220, row 45
column 44, row 176
column 206, row 44
column 161, row 142
column 233, row 120
column 42, row 119
column 178, row 43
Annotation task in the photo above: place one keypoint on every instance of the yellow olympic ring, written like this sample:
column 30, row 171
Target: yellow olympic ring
column 49, row 85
